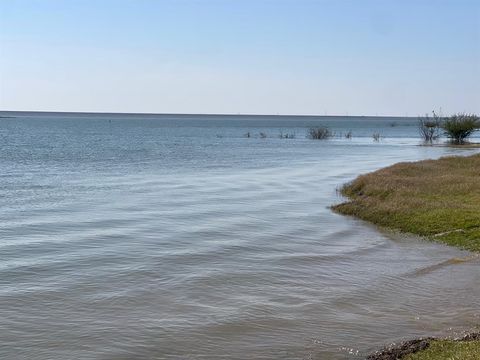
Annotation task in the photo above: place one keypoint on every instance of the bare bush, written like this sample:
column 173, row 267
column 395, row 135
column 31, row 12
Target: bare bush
column 376, row 136
column 286, row 135
column 319, row 133
column 429, row 127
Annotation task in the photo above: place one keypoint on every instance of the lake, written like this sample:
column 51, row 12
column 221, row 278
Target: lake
column 196, row 237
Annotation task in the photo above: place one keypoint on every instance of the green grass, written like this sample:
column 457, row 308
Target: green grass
column 437, row 199
column 448, row 350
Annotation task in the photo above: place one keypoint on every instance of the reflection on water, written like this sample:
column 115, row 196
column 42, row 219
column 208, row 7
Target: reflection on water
column 177, row 237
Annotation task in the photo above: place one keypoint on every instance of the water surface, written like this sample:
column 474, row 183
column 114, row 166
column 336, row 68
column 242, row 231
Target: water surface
column 178, row 237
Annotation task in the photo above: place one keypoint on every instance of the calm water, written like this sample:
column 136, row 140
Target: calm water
column 177, row 237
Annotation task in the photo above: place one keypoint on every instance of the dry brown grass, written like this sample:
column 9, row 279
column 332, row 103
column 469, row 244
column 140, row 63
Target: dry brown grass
column 439, row 199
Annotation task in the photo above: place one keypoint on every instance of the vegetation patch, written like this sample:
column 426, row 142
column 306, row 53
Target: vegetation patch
column 429, row 127
column 319, row 133
column 438, row 199
column 459, row 127
column 465, row 348
column 448, row 350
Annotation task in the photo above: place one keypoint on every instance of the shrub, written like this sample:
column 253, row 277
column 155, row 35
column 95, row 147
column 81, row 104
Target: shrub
column 286, row 135
column 348, row 135
column 460, row 126
column 319, row 133
column 429, row 127
column 376, row 136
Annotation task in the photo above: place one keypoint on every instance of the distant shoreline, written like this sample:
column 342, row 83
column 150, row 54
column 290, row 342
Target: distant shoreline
column 101, row 113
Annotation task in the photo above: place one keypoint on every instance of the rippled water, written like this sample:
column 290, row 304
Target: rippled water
column 177, row 237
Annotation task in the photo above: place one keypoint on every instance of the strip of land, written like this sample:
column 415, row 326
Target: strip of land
column 436, row 199
column 464, row 348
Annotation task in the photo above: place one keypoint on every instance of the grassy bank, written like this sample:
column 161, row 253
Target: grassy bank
column 464, row 348
column 438, row 199
column 448, row 349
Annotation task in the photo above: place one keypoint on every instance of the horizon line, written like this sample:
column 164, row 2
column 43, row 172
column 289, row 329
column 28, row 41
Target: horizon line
column 201, row 114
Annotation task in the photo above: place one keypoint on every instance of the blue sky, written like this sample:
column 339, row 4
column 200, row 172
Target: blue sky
column 361, row 57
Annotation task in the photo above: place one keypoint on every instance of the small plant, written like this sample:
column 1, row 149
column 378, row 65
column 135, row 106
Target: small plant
column 247, row 135
column 263, row 135
column 348, row 135
column 376, row 136
column 319, row 133
column 429, row 127
column 286, row 135
column 460, row 126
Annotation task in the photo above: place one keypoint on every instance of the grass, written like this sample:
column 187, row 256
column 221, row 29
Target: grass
column 448, row 350
column 437, row 199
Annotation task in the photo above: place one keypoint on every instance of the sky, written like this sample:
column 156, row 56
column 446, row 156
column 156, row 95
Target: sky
column 305, row 57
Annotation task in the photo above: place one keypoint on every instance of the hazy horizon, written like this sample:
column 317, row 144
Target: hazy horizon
column 199, row 114
column 335, row 58
column 106, row 113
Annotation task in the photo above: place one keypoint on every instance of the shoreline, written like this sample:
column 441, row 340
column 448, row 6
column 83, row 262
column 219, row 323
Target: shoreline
column 414, row 346
column 438, row 200
column 311, row 115
column 468, row 145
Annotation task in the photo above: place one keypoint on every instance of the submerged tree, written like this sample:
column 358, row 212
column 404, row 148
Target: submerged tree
column 460, row 126
column 287, row 135
column 429, row 127
column 319, row 133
